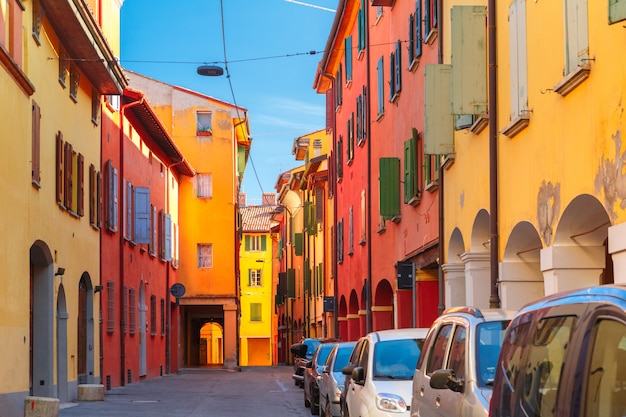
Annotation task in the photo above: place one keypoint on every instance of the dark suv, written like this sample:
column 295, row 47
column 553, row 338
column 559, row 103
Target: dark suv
column 565, row 355
column 302, row 353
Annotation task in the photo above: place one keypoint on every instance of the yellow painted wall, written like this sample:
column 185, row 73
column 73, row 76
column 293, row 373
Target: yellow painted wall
column 250, row 294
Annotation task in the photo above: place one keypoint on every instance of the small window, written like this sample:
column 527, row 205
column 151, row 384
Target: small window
column 74, row 82
column 254, row 278
column 204, row 123
column 95, row 107
column 110, row 307
column 132, row 311
column 153, row 315
column 380, row 68
column 204, row 184
column 205, row 255
column 255, row 312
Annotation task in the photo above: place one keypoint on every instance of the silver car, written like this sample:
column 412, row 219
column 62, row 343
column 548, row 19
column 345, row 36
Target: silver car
column 332, row 380
column 454, row 376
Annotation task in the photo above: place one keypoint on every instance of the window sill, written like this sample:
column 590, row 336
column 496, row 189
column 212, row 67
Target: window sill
column 432, row 186
column 36, row 184
column 6, row 60
column 482, row 121
column 517, row 125
column 360, row 143
column 395, row 97
column 397, row 218
column 414, row 64
column 415, row 201
column 204, row 133
column 572, row 80
column 432, row 35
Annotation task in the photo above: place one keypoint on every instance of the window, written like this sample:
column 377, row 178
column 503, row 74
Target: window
column 606, row 375
column 204, row 183
column 142, row 215
column 254, row 278
column 154, row 236
column 256, row 243
column 362, row 29
column 432, row 163
column 132, row 311
column 576, row 34
column 350, row 231
column 457, row 353
column 205, row 255
column 74, row 82
column 11, row 29
column 162, row 317
column 125, row 312
column 389, row 187
column 95, row 197
column 363, row 218
column 339, row 155
column 380, row 68
column 438, row 350
column 338, row 88
column 411, row 180
column 36, row 142
column 361, row 117
column 153, row 315
column 204, row 123
column 165, row 236
column 110, row 307
column 37, row 20
column 95, row 107
column 617, row 11
column 430, row 19
column 255, row 312
column 112, row 185
column 350, row 136
column 395, row 73
column 348, row 57
column 127, row 203
column 340, row 241
column 415, row 35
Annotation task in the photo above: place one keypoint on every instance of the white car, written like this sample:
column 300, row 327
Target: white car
column 381, row 377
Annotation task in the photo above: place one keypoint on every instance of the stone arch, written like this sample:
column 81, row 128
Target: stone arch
column 521, row 280
column 41, row 320
column 454, row 271
column 382, row 308
column 579, row 256
column 353, row 316
column 476, row 261
column 342, row 317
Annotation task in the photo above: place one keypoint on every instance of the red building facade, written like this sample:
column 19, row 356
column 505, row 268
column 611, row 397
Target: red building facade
column 140, row 169
column 385, row 188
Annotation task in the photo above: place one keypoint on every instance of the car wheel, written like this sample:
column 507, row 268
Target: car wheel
column 315, row 408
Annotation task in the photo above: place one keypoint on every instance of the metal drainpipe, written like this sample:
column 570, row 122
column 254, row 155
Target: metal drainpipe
column 121, row 191
column 368, row 284
column 442, row 298
column 494, row 298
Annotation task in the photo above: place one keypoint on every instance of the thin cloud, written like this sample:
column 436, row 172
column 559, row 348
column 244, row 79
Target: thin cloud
column 310, row 5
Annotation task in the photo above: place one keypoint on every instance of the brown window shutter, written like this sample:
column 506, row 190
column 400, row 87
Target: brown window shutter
column 59, row 176
column 67, row 188
column 36, row 165
column 99, row 200
column 330, row 109
column 80, row 204
column 92, row 194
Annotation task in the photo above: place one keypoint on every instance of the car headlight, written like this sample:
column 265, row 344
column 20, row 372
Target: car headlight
column 339, row 390
column 391, row 403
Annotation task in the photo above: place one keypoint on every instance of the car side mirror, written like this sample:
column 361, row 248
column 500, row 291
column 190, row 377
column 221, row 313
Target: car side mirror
column 298, row 350
column 309, row 365
column 445, row 379
column 325, row 369
column 358, row 375
column 347, row 370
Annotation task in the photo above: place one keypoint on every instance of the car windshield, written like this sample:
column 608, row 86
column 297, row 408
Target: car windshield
column 311, row 345
column 396, row 359
column 322, row 355
column 488, row 344
column 343, row 354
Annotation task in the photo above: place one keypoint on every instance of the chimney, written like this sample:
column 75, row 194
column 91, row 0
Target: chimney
column 242, row 199
column 269, row 199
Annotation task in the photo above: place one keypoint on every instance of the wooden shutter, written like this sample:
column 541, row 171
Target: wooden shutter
column 80, row 168
column 168, row 237
column 291, row 283
column 247, row 243
column 330, row 110
column 36, row 144
column 319, row 204
column 92, row 194
column 67, row 165
column 99, row 199
column 389, row 183
column 299, row 243
column 59, row 167
column 263, row 243
column 142, row 215
column 398, row 64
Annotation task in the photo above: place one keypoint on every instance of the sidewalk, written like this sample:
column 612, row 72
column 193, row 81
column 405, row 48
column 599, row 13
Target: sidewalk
column 194, row 392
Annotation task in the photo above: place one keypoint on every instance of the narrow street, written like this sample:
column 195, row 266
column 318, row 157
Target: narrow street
column 257, row 391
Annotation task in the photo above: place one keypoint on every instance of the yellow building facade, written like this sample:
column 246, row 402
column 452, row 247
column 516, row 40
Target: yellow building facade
column 556, row 176
column 55, row 68
column 214, row 137
column 256, row 329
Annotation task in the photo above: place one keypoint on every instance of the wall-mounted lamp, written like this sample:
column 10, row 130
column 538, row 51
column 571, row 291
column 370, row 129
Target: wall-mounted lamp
column 97, row 288
column 60, row 271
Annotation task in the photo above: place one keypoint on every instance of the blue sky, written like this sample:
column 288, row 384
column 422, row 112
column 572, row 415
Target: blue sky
column 271, row 71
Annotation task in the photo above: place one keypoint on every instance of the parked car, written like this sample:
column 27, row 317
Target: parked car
column 380, row 380
column 302, row 353
column 312, row 374
column 331, row 383
column 455, row 372
column 565, row 355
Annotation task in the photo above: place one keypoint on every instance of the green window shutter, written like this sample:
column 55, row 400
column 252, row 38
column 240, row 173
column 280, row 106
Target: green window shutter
column 291, row 283
column 428, row 177
column 469, row 59
column 410, row 168
column 263, row 242
column 299, row 243
column 389, row 182
column 247, row 240
column 617, row 11
column 256, row 312
column 249, row 277
column 348, row 56
column 438, row 132
column 307, row 276
column 280, row 249
column 312, row 224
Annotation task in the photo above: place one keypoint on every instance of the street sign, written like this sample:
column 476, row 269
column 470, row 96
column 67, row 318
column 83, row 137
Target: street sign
column 177, row 290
